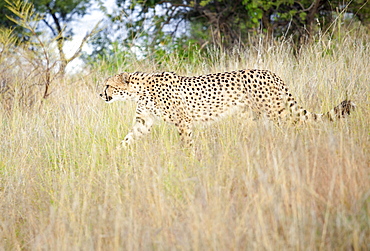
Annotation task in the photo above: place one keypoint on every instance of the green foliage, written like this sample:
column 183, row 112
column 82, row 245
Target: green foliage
column 110, row 60
column 5, row 22
column 254, row 11
column 56, row 14
column 59, row 13
column 7, row 42
column 154, row 28
column 147, row 24
column 67, row 9
column 26, row 15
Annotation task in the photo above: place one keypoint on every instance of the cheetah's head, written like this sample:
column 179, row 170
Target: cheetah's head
column 116, row 88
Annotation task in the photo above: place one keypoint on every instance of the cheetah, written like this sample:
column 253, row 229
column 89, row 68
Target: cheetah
column 184, row 100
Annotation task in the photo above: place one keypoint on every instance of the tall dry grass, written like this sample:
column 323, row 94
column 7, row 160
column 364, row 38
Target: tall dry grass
column 252, row 185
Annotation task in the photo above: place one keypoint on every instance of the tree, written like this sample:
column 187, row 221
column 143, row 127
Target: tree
column 39, row 50
column 57, row 16
column 5, row 22
column 153, row 24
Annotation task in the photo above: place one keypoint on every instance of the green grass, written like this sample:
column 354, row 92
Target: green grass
column 251, row 185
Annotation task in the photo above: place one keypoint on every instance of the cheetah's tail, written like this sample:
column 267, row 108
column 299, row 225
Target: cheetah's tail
column 340, row 111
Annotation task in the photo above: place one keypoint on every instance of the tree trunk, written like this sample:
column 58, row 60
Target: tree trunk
column 310, row 18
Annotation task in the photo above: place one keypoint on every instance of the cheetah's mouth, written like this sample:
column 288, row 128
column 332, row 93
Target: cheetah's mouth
column 105, row 95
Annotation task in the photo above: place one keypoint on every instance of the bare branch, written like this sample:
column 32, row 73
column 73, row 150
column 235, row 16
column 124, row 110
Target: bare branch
column 90, row 34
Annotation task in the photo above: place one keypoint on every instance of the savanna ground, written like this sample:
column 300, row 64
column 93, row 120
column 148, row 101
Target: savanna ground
column 252, row 185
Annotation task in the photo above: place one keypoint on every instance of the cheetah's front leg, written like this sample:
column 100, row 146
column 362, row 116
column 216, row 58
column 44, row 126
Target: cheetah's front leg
column 186, row 133
column 143, row 122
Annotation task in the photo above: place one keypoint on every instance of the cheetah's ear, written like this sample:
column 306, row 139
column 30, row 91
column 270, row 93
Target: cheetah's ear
column 122, row 78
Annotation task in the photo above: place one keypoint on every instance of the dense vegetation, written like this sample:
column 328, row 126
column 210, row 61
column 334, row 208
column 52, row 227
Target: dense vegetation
column 250, row 185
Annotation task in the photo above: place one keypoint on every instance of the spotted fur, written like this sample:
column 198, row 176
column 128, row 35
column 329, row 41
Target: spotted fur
column 183, row 100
